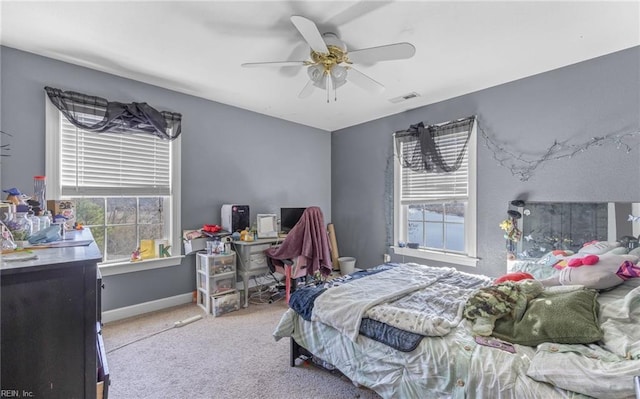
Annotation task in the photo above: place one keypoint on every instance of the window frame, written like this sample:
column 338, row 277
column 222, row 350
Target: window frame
column 469, row 257
column 52, row 168
column 442, row 223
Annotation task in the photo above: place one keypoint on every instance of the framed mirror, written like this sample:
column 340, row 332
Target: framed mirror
column 547, row 226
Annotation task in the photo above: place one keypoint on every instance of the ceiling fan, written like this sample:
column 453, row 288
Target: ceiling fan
column 331, row 65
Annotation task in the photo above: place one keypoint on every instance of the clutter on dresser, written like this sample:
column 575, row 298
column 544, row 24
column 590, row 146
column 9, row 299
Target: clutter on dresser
column 20, row 215
column 28, row 222
column 196, row 240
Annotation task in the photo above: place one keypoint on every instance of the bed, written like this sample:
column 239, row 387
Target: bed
column 400, row 330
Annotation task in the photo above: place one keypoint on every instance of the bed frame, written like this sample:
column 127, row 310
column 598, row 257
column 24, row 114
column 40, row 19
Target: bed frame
column 296, row 351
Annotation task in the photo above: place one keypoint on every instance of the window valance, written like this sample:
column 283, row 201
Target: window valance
column 115, row 117
column 434, row 148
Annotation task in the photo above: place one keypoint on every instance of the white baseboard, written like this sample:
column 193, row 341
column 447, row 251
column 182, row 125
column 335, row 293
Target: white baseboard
column 145, row 307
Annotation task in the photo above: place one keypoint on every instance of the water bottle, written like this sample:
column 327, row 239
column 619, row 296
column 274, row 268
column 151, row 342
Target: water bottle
column 45, row 221
column 39, row 192
column 60, row 221
column 21, row 226
column 35, row 223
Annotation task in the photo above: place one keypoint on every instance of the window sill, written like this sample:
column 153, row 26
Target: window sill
column 456, row 259
column 112, row 269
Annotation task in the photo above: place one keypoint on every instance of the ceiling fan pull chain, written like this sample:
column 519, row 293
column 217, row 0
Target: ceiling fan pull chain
column 328, row 87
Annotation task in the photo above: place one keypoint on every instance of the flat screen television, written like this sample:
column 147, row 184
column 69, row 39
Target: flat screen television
column 289, row 217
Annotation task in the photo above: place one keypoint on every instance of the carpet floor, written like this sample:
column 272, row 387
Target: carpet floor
column 231, row 356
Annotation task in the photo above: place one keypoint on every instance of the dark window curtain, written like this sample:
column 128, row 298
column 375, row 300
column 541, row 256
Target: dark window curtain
column 113, row 116
column 422, row 146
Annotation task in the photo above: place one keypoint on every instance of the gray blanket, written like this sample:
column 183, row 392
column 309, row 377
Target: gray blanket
column 416, row 298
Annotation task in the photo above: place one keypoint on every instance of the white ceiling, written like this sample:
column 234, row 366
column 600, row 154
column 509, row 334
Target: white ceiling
column 197, row 47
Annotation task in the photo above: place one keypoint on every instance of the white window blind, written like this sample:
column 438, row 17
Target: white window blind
column 113, row 163
column 423, row 186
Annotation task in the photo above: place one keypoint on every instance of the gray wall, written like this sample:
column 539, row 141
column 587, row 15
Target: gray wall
column 223, row 157
column 348, row 173
column 575, row 103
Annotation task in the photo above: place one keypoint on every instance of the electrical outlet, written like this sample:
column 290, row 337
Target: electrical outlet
column 386, row 258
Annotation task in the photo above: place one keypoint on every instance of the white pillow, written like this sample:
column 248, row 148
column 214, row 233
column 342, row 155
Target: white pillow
column 599, row 276
column 635, row 252
column 612, row 262
column 619, row 250
column 589, row 277
column 598, row 248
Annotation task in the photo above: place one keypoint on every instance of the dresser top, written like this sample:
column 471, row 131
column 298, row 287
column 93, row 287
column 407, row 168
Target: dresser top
column 77, row 248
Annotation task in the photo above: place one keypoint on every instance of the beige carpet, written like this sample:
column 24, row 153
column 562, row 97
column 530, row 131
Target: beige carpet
column 232, row 356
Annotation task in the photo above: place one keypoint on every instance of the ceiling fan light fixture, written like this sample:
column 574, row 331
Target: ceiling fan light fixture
column 320, row 84
column 316, row 73
column 339, row 73
column 338, row 83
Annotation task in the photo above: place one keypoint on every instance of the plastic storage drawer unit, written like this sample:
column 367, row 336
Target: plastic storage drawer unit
column 222, row 284
column 225, row 303
column 217, row 263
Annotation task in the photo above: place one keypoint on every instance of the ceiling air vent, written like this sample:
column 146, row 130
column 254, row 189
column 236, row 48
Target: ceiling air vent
column 404, row 97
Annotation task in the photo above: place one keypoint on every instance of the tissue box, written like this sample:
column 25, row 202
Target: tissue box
column 65, row 208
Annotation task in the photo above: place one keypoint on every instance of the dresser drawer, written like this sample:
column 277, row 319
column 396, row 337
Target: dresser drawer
column 252, row 257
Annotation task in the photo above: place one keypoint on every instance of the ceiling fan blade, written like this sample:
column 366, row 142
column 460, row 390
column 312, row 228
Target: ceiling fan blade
column 311, row 34
column 273, row 64
column 388, row 52
column 307, row 90
column 363, row 81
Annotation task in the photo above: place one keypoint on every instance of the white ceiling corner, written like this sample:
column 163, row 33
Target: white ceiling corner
column 197, row 47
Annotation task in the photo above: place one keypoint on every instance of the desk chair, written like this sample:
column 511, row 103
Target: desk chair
column 304, row 251
column 291, row 273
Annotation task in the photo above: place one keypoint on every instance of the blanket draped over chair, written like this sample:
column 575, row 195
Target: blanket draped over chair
column 307, row 243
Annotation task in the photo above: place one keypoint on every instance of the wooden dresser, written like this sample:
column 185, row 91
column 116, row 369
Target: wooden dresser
column 50, row 341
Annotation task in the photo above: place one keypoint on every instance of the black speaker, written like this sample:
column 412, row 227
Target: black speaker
column 235, row 217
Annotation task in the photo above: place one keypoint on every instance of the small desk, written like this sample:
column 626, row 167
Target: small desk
column 252, row 261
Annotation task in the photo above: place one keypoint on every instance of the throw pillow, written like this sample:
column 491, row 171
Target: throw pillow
column 560, row 317
column 598, row 247
column 635, row 252
column 589, row 277
column 514, row 276
column 602, row 275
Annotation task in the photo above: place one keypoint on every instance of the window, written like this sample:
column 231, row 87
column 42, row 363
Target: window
column 124, row 184
column 435, row 209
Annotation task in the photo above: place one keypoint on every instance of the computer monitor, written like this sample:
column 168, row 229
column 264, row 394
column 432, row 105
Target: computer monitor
column 289, row 217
